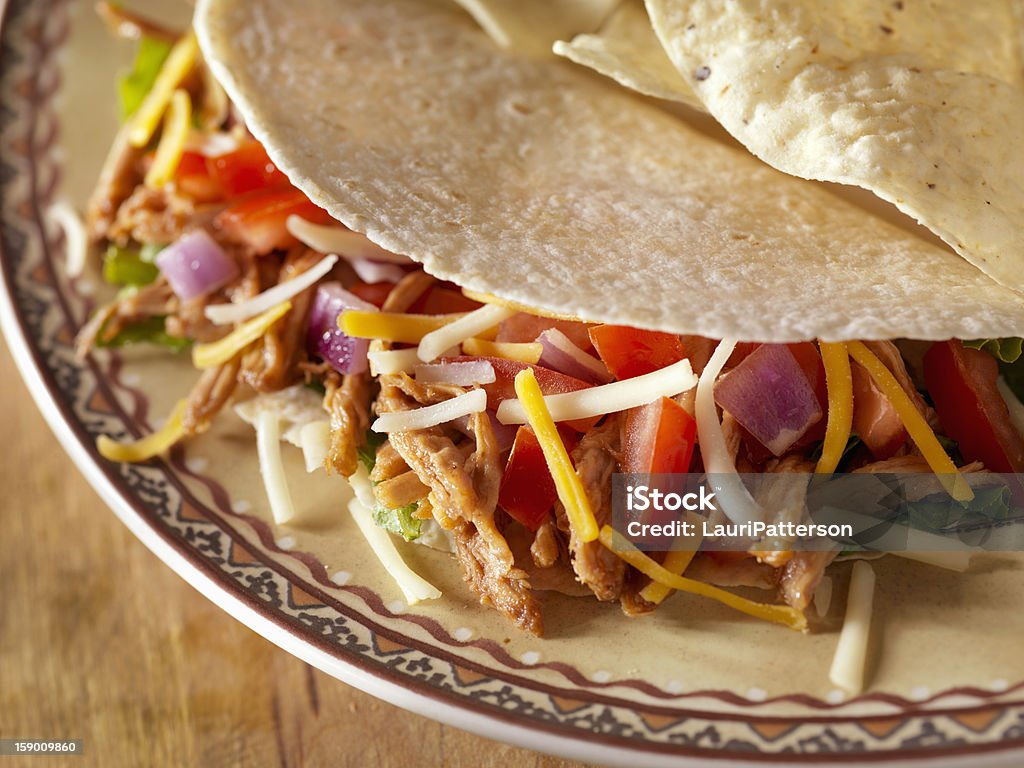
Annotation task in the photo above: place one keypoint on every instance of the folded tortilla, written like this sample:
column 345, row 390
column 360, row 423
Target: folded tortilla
column 531, row 180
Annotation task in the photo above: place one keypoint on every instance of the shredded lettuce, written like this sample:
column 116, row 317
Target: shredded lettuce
column 133, row 86
column 940, row 513
column 150, row 251
column 148, row 331
column 400, row 521
column 125, row 266
column 367, row 452
column 1003, row 350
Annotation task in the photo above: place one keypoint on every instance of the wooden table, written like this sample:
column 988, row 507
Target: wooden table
column 100, row 641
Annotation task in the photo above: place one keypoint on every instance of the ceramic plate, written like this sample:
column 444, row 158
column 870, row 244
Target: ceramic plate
column 690, row 683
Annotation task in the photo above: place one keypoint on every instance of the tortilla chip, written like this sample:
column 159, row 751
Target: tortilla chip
column 920, row 103
column 532, row 26
column 627, row 50
column 531, row 180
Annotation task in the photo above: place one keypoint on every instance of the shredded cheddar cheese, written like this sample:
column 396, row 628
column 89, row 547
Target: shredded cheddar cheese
column 487, row 298
column 172, row 141
column 676, row 562
column 180, row 62
column 222, row 350
column 479, row 321
column 568, row 484
column 392, row 326
column 149, row 446
column 839, row 380
column 624, row 549
column 529, row 352
column 918, row 429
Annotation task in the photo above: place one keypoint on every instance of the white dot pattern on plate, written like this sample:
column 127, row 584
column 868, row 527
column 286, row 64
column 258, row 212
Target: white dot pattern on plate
column 601, row 676
column 197, row 464
column 999, row 685
column 241, row 506
column 285, row 542
column 835, row 696
column 920, row 692
column 462, row 634
column 397, row 606
column 756, row 694
column 341, row 578
column 530, row 657
column 674, row 686
column 131, row 379
column 86, row 288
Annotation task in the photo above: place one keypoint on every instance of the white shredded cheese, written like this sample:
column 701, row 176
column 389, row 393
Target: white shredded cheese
column 564, row 344
column 608, row 398
column 268, row 448
column 1013, row 404
column 823, row 596
column 315, row 441
column 336, row 239
column 957, row 560
column 388, row 361
column 76, row 241
column 295, row 407
column 434, row 344
column 462, row 374
column 432, row 415
column 375, row 272
column 226, row 314
column 414, row 587
column 736, row 501
column 848, row 665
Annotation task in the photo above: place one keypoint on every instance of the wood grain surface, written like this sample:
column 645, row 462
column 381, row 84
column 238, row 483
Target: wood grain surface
column 101, row 641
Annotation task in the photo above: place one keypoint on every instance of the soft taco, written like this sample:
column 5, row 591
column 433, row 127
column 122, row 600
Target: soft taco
column 479, row 282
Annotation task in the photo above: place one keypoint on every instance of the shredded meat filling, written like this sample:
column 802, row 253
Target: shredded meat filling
column 596, row 460
column 466, row 493
column 210, row 394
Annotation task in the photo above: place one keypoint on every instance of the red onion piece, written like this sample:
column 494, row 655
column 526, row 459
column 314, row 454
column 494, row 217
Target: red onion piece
column 769, row 395
column 561, row 355
column 465, row 374
column 325, row 339
column 504, row 434
column 196, row 265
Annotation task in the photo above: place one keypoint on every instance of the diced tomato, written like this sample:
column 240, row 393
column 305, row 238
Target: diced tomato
column 962, row 384
column 259, row 220
column 741, row 352
column 524, row 327
column 699, row 350
column 527, row 490
column 550, row 382
column 194, row 180
column 630, row 352
column 440, row 300
column 246, row 169
column 375, row 293
column 875, row 420
column 659, row 438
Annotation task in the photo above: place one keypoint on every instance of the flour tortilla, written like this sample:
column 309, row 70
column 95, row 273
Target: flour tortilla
column 532, row 26
column 531, row 180
column 920, row 102
column 627, row 50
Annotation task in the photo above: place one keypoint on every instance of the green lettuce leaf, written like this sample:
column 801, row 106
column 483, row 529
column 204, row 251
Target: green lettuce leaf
column 400, row 521
column 133, row 86
column 149, row 331
column 1003, row 350
column 367, row 452
column 125, row 266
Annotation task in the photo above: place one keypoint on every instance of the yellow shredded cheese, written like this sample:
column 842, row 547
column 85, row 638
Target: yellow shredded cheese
column 149, row 446
column 624, row 549
column 222, row 350
column 487, row 298
column 676, row 561
column 568, row 484
column 918, row 429
column 172, row 141
column 529, row 352
column 176, row 68
column 839, row 380
column 391, row 326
